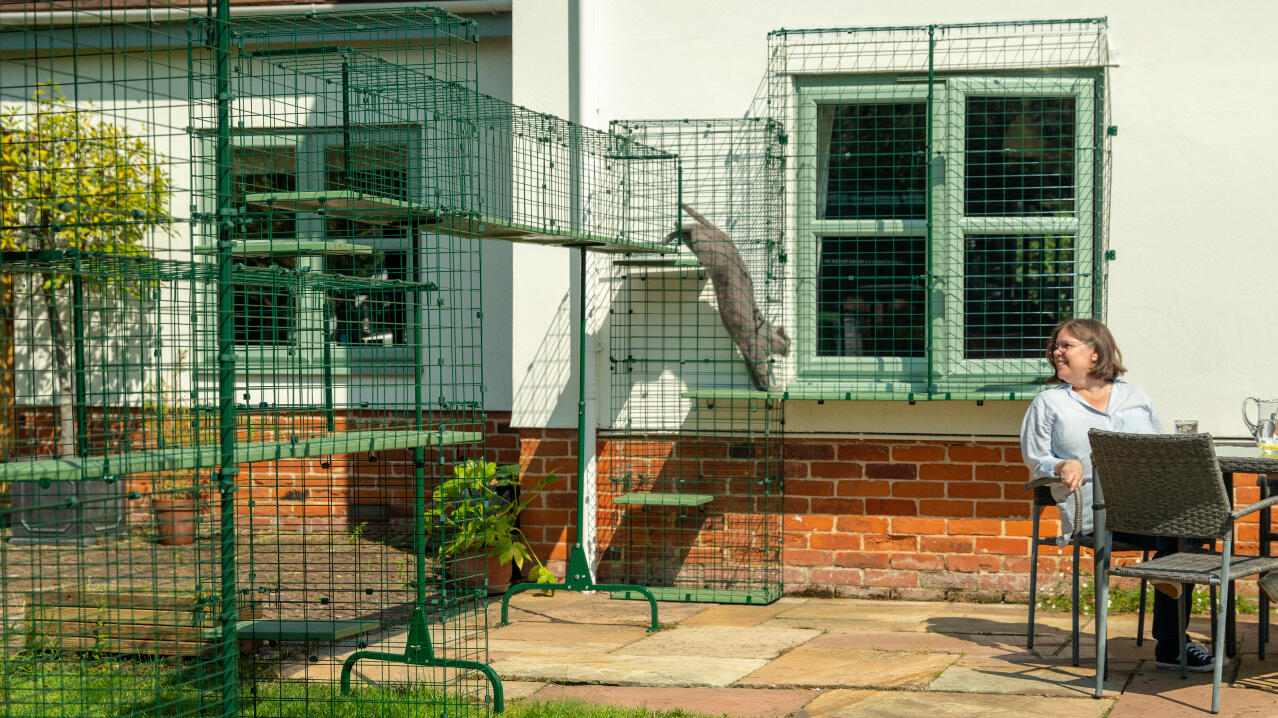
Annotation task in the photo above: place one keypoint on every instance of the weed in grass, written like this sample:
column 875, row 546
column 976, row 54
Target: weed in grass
column 1125, row 600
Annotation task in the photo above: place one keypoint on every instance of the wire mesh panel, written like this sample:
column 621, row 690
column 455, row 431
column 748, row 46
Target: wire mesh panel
column 235, row 364
column 112, row 593
column 356, row 336
column 690, row 503
column 948, row 202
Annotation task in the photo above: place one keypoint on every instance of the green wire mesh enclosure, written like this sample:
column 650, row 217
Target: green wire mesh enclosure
column 237, row 364
column 241, row 353
column 691, row 491
column 948, row 202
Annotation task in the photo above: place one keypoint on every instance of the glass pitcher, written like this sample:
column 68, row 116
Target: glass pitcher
column 1266, row 424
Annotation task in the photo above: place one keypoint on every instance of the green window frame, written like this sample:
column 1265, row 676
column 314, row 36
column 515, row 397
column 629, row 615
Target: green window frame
column 318, row 163
column 1013, row 208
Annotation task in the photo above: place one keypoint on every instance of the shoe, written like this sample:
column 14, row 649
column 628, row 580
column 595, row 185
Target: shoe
column 1168, row 589
column 1198, row 659
column 1269, row 584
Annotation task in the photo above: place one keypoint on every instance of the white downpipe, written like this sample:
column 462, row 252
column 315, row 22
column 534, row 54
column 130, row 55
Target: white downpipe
column 136, row 15
column 579, row 102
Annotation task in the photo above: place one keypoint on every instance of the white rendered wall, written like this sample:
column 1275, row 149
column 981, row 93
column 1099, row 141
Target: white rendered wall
column 1192, row 213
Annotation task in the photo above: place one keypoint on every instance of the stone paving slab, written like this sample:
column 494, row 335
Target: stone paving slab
column 740, row 615
column 578, row 607
column 829, row 613
column 720, row 642
column 736, row 702
column 973, row 644
column 1029, row 678
column 621, row 670
column 1252, row 672
column 808, row 666
column 514, row 690
column 932, row 704
column 545, row 637
column 1164, row 694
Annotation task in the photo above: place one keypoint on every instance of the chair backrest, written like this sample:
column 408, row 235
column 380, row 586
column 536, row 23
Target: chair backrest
column 1161, row 484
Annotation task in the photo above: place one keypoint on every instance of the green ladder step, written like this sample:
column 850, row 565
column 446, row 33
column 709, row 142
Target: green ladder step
column 752, row 596
column 508, row 231
column 266, row 629
column 200, row 457
column 662, row 499
column 267, row 246
column 362, row 206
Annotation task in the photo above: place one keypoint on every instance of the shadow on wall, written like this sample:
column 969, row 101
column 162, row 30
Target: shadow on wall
column 729, row 541
column 546, row 392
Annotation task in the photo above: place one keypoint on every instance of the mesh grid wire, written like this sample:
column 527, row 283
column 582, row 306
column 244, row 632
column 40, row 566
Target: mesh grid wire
column 690, row 496
column 947, row 202
column 144, row 575
column 241, row 351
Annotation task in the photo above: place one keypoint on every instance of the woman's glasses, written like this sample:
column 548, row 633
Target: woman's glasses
column 1066, row 346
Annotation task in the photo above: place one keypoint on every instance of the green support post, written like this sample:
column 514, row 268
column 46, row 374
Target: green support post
column 418, row 650
column 578, row 576
column 228, row 469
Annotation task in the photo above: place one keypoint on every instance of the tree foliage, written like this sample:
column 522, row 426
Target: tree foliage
column 73, row 179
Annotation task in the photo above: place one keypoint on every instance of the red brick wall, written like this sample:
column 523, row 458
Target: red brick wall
column 915, row 519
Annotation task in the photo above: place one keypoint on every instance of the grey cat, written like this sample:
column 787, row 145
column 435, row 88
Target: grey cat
column 753, row 334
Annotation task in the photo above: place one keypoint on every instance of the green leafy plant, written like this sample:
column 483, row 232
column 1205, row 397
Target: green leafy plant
column 477, row 509
column 1126, row 600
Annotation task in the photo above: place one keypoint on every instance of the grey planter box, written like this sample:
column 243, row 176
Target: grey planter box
column 41, row 515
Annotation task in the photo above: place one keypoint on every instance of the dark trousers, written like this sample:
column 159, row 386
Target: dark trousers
column 1166, row 627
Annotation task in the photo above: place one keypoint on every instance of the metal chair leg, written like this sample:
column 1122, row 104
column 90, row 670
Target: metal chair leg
column 1033, row 593
column 1140, row 613
column 1074, row 603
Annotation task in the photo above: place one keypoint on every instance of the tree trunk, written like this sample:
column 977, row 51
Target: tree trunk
column 8, row 383
column 62, row 364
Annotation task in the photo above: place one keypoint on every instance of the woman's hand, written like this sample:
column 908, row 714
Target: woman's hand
column 1071, row 473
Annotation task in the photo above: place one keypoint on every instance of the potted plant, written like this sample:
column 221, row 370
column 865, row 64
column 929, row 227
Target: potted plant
column 175, row 507
column 169, row 424
column 476, row 510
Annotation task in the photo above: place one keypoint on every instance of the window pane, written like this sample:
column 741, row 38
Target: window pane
column 264, row 311
column 870, row 297
column 372, row 315
column 1016, row 289
column 380, row 169
column 870, row 161
column 264, row 169
column 1019, row 156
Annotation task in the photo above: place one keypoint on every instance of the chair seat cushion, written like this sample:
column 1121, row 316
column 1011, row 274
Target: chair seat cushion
column 1195, row 567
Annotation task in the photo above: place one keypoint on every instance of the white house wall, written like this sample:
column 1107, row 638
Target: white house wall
column 1191, row 207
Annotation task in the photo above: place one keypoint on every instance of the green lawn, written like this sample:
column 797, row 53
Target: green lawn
column 61, row 689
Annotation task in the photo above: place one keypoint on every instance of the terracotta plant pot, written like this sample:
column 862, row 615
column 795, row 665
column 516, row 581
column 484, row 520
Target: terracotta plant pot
column 498, row 576
column 174, row 519
column 472, row 572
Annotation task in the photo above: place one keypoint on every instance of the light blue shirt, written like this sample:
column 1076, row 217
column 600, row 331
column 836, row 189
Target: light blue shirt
column 1055, row 428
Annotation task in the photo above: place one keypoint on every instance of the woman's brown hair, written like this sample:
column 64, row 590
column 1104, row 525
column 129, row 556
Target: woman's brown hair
column 1109, row 361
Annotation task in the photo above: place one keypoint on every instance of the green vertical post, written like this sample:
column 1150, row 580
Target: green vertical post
column 227, row 470
column 928, row 208
column 77, row 329
column 579, row 546
column 1098, row 194
column 327, row 335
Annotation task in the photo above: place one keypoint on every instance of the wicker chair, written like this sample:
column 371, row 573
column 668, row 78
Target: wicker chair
column 1168, row 485
column 1043, row 499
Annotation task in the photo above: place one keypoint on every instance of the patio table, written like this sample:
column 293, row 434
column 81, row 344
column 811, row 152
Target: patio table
column 1237, row 457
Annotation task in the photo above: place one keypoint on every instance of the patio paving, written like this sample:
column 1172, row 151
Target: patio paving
column 818, row 657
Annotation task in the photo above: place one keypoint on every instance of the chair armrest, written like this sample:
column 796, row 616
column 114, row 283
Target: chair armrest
column 1239, row 513
column 1040, row 481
